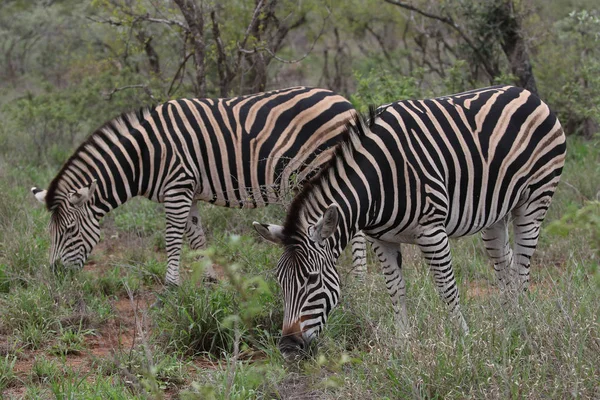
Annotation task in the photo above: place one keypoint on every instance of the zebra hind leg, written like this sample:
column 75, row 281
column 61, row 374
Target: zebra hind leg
column 197, row 238
column 178, row 202
column 527, row 220
column 435, row 247
column 497, row 246
column 193, row 229
column 359, row 255
column 390, row 258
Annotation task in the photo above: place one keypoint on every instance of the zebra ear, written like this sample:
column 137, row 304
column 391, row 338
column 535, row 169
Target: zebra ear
column 39, row 194
column 327, row 224
column 270, row 232
column 80, row 196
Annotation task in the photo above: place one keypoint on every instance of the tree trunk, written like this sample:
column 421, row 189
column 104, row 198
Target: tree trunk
column 195, row 22
column 514, row 46
column 257, row 74
column 153, row 60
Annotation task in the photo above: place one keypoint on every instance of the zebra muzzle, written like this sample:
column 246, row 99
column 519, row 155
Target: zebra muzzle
column 292, row 347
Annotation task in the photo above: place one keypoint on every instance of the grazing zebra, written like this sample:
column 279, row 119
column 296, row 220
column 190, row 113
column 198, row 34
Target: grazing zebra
column 421, row 172
column 244, row 151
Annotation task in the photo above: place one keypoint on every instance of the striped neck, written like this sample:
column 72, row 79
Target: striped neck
column 354, row 211
column 111, row 156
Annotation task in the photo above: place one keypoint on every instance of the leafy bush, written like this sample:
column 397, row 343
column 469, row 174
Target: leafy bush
column 569, row 72
column 199, row 319
column 586, row 218
column 382, row 87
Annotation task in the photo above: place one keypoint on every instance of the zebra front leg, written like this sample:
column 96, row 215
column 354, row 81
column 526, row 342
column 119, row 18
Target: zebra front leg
column 390, row 257
column 435, row 247
column 497, row 246
column 178, row 203
column 359, row 255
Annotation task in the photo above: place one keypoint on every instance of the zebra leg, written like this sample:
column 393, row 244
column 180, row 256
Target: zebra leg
column 435, row 247
column 178, row 203
column 527, row 221
column 497, row 246
column 359, row 255
column 193, row 229
column 197, row 238
column 390, row 257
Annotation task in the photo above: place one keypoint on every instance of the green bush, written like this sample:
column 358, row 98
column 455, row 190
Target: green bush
column 381, row 87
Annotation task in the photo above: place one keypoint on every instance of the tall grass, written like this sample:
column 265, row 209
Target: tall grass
column 219, row 340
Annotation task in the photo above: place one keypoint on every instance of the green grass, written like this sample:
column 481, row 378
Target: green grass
column 7, row 374
column 219, row 341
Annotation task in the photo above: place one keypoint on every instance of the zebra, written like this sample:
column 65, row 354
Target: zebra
column 419, row 173
column 245, row 152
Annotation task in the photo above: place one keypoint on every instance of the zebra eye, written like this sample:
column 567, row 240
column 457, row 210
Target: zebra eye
column 312, row 278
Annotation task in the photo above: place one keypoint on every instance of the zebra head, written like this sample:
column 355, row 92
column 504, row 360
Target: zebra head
column 74, row 227
column 308, row 278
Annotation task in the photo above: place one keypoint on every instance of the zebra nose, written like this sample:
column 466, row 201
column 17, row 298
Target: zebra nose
column 291, row 346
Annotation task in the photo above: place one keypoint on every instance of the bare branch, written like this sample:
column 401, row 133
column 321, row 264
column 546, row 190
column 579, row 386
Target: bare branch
column 272, row 53
column 446, row 20
column 248, row 31
column 179, row 73
column 223, row 69
column 195, row 22
column 164, row 21
column 139, row 86
column 491, row 71
column 139, row 18
column 379, row 40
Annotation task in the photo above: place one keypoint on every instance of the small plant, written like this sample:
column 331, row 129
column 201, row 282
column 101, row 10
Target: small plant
column 32, row 336
column 586, row 218
column 44, row 370
column 71, row 342
column 7, row 374
column 191, row 320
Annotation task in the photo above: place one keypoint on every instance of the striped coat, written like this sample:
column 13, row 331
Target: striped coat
column 239, row 152
column 421, row 172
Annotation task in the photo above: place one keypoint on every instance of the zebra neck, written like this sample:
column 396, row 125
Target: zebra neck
column 351, row 219
column 113, row 189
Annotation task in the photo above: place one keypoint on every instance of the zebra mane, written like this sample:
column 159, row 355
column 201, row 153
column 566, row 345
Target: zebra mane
column 355, row 130
column 114, row 127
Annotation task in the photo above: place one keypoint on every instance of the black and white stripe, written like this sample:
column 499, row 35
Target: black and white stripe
column 422, row 172
column 239, row 152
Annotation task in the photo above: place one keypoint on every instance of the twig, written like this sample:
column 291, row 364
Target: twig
column 139, row 86
column 145, row 17
column 272, row 54
column 177, row 74
column 248, row 31
column 234, row 359
column 492, row 72
column 581, row 195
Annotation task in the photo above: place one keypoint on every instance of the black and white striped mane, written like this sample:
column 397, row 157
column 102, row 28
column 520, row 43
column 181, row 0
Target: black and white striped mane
column 128, row 119
column 355, row 130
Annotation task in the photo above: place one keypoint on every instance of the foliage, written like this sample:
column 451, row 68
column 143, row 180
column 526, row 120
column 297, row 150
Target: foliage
column 7, row 374
column 382, row 87
column 195, row 320
column 586, row 218
column 69, row 66
column 572, row 79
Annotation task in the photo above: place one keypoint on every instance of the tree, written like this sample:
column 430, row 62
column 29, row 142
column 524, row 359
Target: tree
column 483, row 27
